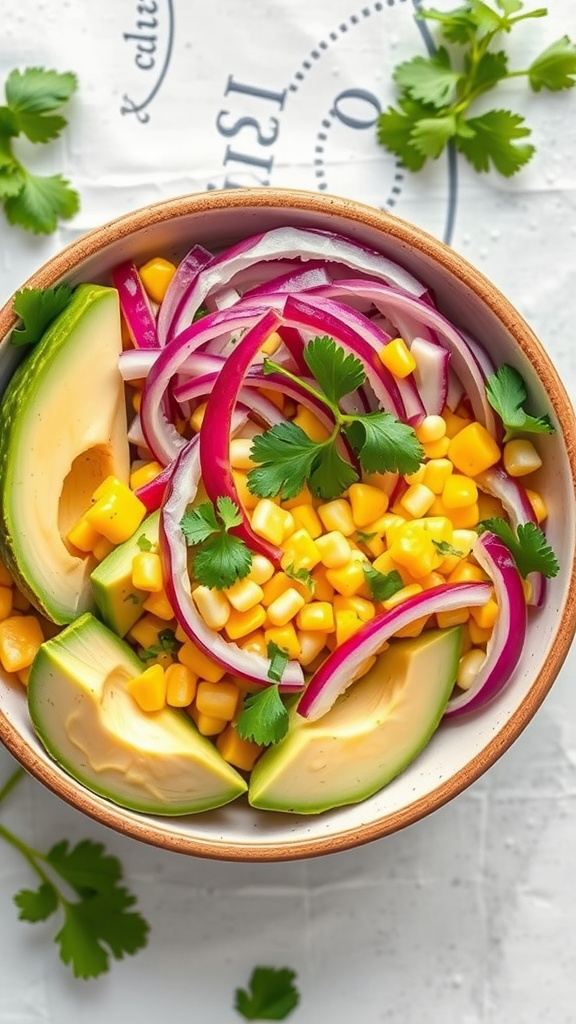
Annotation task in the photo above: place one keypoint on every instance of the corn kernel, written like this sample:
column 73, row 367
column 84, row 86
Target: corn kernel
column 485, row 615
column 241, row 623
column 417, row 499
column 181, row 684
column 271, row 522
column 83, row 536
column 312, row 642
column 479, row 636
column 156, row 275
column 203, row 666
column 159, row 605
column 414, row 548
column 454, row 423
column 240, row 448
column 437, row 449
column 467, row 572
column 310, row 424
column 538, row 505
column 347, row 624
column 207, row 725
column 432, row 579
column 144, row 474
column 385, row 564
column 149, row 688
column 364, row 609
column 285, row 607
column 276, row 586
column 465, row 518
column 469, row 667
column 413, row 629
column 255, row 643
column 473, row 450
column 436, row 473
column 217, row 700
column 367, row 503
column 197, row 416
column 397, row 357
column 213, row 605
column 489, row 507
column 5, row 601
column 147, row 571
column 238, row 752
column 248, row 500
column 520, row 457
column 300, row 551
column 464, row 540
column 20, row 638
column 418, row 476
column 110, row 485
column 273, row 395
column 337, row 515
column 306, row 518
column 145, row 631
column 454, row 617
column 272, row 344
column 432, row 428
column 459, row 491
column 244, row 594
column 318, row 615
column 261, row 569
column 347, row 580
column 285, row 637
column 323, row 590
column 304, row 497
column 402, row 595
column 117, row 516
column 334, row 549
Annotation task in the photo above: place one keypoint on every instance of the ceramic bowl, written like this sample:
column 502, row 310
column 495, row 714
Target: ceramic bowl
column 461, row 750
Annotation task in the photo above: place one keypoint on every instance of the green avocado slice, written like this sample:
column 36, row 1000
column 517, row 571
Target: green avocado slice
column 63, row 432
column 118, row 601
column 90, row 725
column 372, row 732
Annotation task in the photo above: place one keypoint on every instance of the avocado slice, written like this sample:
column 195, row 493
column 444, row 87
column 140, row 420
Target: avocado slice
column 117, row 600
column 88, row 722
column 63, row 432
column 372, row 732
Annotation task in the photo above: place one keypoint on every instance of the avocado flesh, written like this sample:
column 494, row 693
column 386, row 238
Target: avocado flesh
column 90, row 725
column 63, row 431
column 119, row 603
column 372, row 732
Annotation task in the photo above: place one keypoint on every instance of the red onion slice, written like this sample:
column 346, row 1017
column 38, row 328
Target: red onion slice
column 431, row 374
column 186, row 272
column 135, row 305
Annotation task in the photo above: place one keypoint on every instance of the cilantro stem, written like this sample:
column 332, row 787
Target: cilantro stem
column 11, row 782
column 301, row 382
column 27, row 852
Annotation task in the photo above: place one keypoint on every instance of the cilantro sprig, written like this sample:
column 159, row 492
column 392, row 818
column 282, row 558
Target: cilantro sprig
column 271, row 994
column 436, row 93
column 506, row 392
column 84, row 884
column 34, row 98
column 221, row 558
column 264, row 718
column 288, row 458
column 527, row 545
column 167, row 644
column 37, row 309
column 382, row 585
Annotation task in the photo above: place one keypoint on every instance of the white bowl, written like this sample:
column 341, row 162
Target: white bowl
column 461, row 750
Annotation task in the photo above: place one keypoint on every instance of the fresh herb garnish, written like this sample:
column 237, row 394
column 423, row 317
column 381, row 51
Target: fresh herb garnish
column 279, row 658
column 506, row 392
column 143, row 543
column 444, row 548
column 528, row 546
column 271, row 994
column 301, row 575
column 98, row 919
column 133, row 598
column 167, row 644
column 437, row 92
column 264, row 718
column 33, row 97
column 222, row 558
column 288, row 458
column 363, row 538
column 382, row 585
column 37, row 309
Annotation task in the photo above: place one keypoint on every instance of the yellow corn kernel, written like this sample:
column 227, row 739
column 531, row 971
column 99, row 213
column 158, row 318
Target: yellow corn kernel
column 454, row 423
column 417, row 500
column 347, row 623
column 312, row 643
column 83, row 536
column 413, row 629
column 147, row 571
column 304, row 497
column 306, row 518
column 159, row 605
column 300, row 551
column 538, row 504
column 479, row 636
column 374, row 544
column 364, row 609
column 432, row 428
column 337, row 515
column 144, row 474
column 244, row 594
column 245, row 496
column 418, row 476
column 273, row 395
column 318, row 615
column 255, row 643
column 465, row 518
column 520, row 457
column 109, row 486
column 5, row 577
column 485, row 615
column 367, row 503
column 437, row 449
column 467, row 572
column 469, row 667
column 156, row 275
column 432, row 579
column 217, row 700
column 397, row 357
column 310, row 424
column 213, row 605
column 261, row 569
column 102, row 548
column 136, row 400
column 181, row 683
column 240, row 448
column 285, row 637
column 348, row 579
column 402, row 595
column 323, row 590
column 203, row 666
column 271, row 522
column 20, row 638
column 272, row 344
column 285, row 607
column 197, row 416
column 207, row 725
column 455, row 617
column 385, row 564
column 459, row 492
column 238, row 752
column 149, row 688
column 6, row 598
column 241, row 623
column 473, row 450
column 414, row 548
column 117, row 516
column 436, row 473
column 334, row 549
column 145, row 631
column 275, row 586
column 489, row 507
column 464, row 541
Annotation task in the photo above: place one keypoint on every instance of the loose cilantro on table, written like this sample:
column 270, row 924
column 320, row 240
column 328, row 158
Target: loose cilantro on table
column 288, row 458
column 506, row 392
column 264, row 718
column 437, row 92
column 528, row 546
column 382, row 585
column 37, row 308
column 99, row 921
column 221, row 558
column 34, row 98
column 271, row 994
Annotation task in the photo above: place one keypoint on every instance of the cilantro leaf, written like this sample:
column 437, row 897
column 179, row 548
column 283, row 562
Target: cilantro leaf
column 332, row 475
column 221, row 561
column 86, row 867
column 41, row 202
column 301, row 575
column 495, row 141
column 382, row 585
column 198, row 523
column 458, row 25
column 287, row 457
column 506, row 392
column 430, row 79
column 38, row 91
column 383, row 443
column 395, row 132
column 11, row 179
column 279, row 658
column 555, row 68
column 37, row 904
column 488, row 71
column 167, row 644
column 37, row 308
column 430, row 134
column 97, row 928
column 143, row 543
column 271, row 994
column 264, row 718
column 528, row 546
column 228, row 511
column 444, row 548
column 486, row 20
column 337, row 372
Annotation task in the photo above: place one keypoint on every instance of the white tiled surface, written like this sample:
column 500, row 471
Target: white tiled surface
column 468, row 916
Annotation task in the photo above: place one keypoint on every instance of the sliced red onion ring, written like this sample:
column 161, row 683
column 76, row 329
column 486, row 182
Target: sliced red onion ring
column 431, row 374
column 338, row 670
column 181, row 490
column 186, row 272
column 152, row 493
column 314, row 275
column 509, row 633
column 135, row 305
column 413, row 404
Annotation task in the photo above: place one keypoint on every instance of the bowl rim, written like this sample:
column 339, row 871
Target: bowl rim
column 151, row 832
